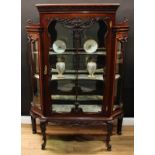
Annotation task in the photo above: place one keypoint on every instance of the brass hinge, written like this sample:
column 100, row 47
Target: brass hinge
column 45, row 70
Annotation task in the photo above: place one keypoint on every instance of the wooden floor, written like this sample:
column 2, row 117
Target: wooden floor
column 63, row 141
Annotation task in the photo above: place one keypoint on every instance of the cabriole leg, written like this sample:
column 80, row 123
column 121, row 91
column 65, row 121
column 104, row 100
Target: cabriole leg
column 43, row 131
column 119, row 125
column 109, row 133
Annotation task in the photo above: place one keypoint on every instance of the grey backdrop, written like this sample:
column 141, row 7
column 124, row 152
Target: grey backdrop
column 126, row 9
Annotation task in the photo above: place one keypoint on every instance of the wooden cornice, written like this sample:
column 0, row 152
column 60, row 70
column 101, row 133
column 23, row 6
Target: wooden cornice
column 72, row 8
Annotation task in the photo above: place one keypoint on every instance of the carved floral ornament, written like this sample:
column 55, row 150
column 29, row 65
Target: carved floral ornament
column 122, row 37
column 122, row 30
column 78, row 122
column 33, row 30
column 79, row 24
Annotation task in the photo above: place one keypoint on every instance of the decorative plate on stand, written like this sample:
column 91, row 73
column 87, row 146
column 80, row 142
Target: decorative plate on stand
column 59, row 46
column 90, row 46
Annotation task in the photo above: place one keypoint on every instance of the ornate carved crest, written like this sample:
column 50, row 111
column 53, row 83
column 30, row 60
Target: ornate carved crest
column 78, row 24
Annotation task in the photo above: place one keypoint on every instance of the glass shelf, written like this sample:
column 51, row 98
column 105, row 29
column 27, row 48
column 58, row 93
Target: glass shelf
column 80, row 53
column 100, row 51
column 81, row 49
column 80, row 77
column 68, row 88
column 68, row 107
column 85, row 107
column 79, row 97
column 53, row 70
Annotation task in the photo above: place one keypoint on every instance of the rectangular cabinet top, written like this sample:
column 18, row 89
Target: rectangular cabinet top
column 78, row 7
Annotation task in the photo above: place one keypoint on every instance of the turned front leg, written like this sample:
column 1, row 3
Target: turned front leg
column 109, row 133
column 43, row 131
column 33, row 121
column 119, row 125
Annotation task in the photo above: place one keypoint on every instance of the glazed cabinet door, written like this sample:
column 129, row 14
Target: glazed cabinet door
column 75, row 53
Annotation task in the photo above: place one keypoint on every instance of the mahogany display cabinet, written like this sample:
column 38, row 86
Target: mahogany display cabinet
column 76, row 56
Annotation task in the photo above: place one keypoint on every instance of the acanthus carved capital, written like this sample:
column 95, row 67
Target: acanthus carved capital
column 122, row 37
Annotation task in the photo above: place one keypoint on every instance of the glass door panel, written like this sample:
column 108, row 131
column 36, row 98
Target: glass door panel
column 77, row 61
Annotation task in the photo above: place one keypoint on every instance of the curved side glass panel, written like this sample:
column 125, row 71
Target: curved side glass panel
column 119, row 73
column 35, row 74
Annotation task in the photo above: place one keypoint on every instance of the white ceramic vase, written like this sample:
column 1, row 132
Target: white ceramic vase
column 60, row 66
column 91, row 67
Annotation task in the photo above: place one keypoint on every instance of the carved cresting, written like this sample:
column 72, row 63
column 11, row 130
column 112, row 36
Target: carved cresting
column 79, row 24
